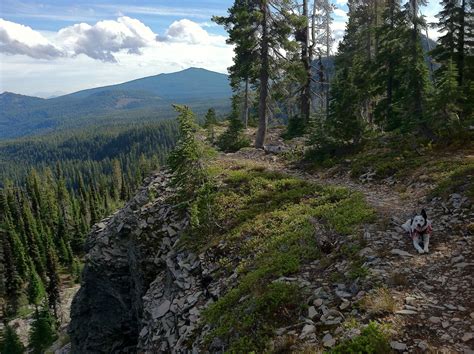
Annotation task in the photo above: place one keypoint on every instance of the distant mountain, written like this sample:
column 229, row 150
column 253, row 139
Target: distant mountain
column 11, row 101
column 192, row 83
column 145, row 99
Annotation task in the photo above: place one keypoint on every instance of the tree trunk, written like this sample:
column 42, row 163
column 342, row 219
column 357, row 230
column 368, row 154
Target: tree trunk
column 390, row 67
column 246, row 103
column 328, row 53
column 415, row 38
column 305, row 58
column 264, row 78
column 462, row 29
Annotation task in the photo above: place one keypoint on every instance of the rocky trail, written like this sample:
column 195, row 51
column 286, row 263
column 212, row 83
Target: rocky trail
column 427, row 299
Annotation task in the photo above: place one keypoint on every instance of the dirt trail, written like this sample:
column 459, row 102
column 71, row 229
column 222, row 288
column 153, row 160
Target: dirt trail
column 433, row 294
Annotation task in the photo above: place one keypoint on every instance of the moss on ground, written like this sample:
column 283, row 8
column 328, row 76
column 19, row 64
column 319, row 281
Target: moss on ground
column 449, row 168
column 457, row 179
column 263, row 219
column 372, row 340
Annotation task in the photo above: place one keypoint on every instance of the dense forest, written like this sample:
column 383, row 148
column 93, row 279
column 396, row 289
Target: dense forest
column 53, row 188
column 383, row 80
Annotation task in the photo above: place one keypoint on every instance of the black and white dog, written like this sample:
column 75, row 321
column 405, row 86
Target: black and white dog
column 419, row 228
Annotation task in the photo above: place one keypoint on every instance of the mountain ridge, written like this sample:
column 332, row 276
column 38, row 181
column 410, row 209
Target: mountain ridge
column 139, row 100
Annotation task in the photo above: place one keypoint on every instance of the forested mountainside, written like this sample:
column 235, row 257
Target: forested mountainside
column 52, row 190
column 79, row 149
column 144, row 100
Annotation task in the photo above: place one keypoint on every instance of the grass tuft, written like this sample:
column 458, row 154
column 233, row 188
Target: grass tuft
column 378, row 302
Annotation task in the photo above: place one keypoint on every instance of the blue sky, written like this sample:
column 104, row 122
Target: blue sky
column 53, row 47
column 53, row 15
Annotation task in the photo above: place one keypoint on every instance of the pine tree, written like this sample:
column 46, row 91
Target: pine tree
column 306, row 58
column 351, row 88
column 390, row 54
column 448, row 24
column 456, row 44
column 11, row 342
column 416, row 84
column 187, row 160
column 62, row 244
column 36, row 248
column 42, row 332
column 260, row 29
column 233, row 139
column 446, row 110
column 75, row 270
column 322, row 41
column 241, row 27
column 35, row 290
column 116, row 179
column 53, row 285
column 3, row 278
column 13, row 281
column 18, row 250
column 210, row 120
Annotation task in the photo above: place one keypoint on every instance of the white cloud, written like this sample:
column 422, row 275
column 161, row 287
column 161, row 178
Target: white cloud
column 105, row 58
column 340, row 13
column 28, row 76
column 102, row 41
column 22, row 40
column 105, row 38
column 186, row 31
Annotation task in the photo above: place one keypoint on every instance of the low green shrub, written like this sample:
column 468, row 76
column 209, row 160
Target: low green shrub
column 372, row 339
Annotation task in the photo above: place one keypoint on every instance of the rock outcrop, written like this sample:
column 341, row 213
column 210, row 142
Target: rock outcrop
column 120, row 265
column 142, row 291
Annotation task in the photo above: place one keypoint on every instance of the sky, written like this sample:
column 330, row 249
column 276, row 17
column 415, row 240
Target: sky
column 53, row 47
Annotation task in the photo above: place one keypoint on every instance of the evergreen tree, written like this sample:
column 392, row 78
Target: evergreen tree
column 18, row 250
column 260, row 30
column 36, row 248
column 416, row 84
column 241, row 27
column 210, row 120
column 116, row 179
column 53, row 285
column 36, row 290
column 42, row 332
column 455, row 46
column 448, row 24
column 62, row 242
column 446, row 110
column 13, row 282
column 351, row 88
column 11, row 342
column 388, row 80
column 76, row 270
column 233, row 139
column 322, row 41
column 187, row 160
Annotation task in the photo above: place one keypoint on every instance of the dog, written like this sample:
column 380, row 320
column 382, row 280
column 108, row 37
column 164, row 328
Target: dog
column 419, row 228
